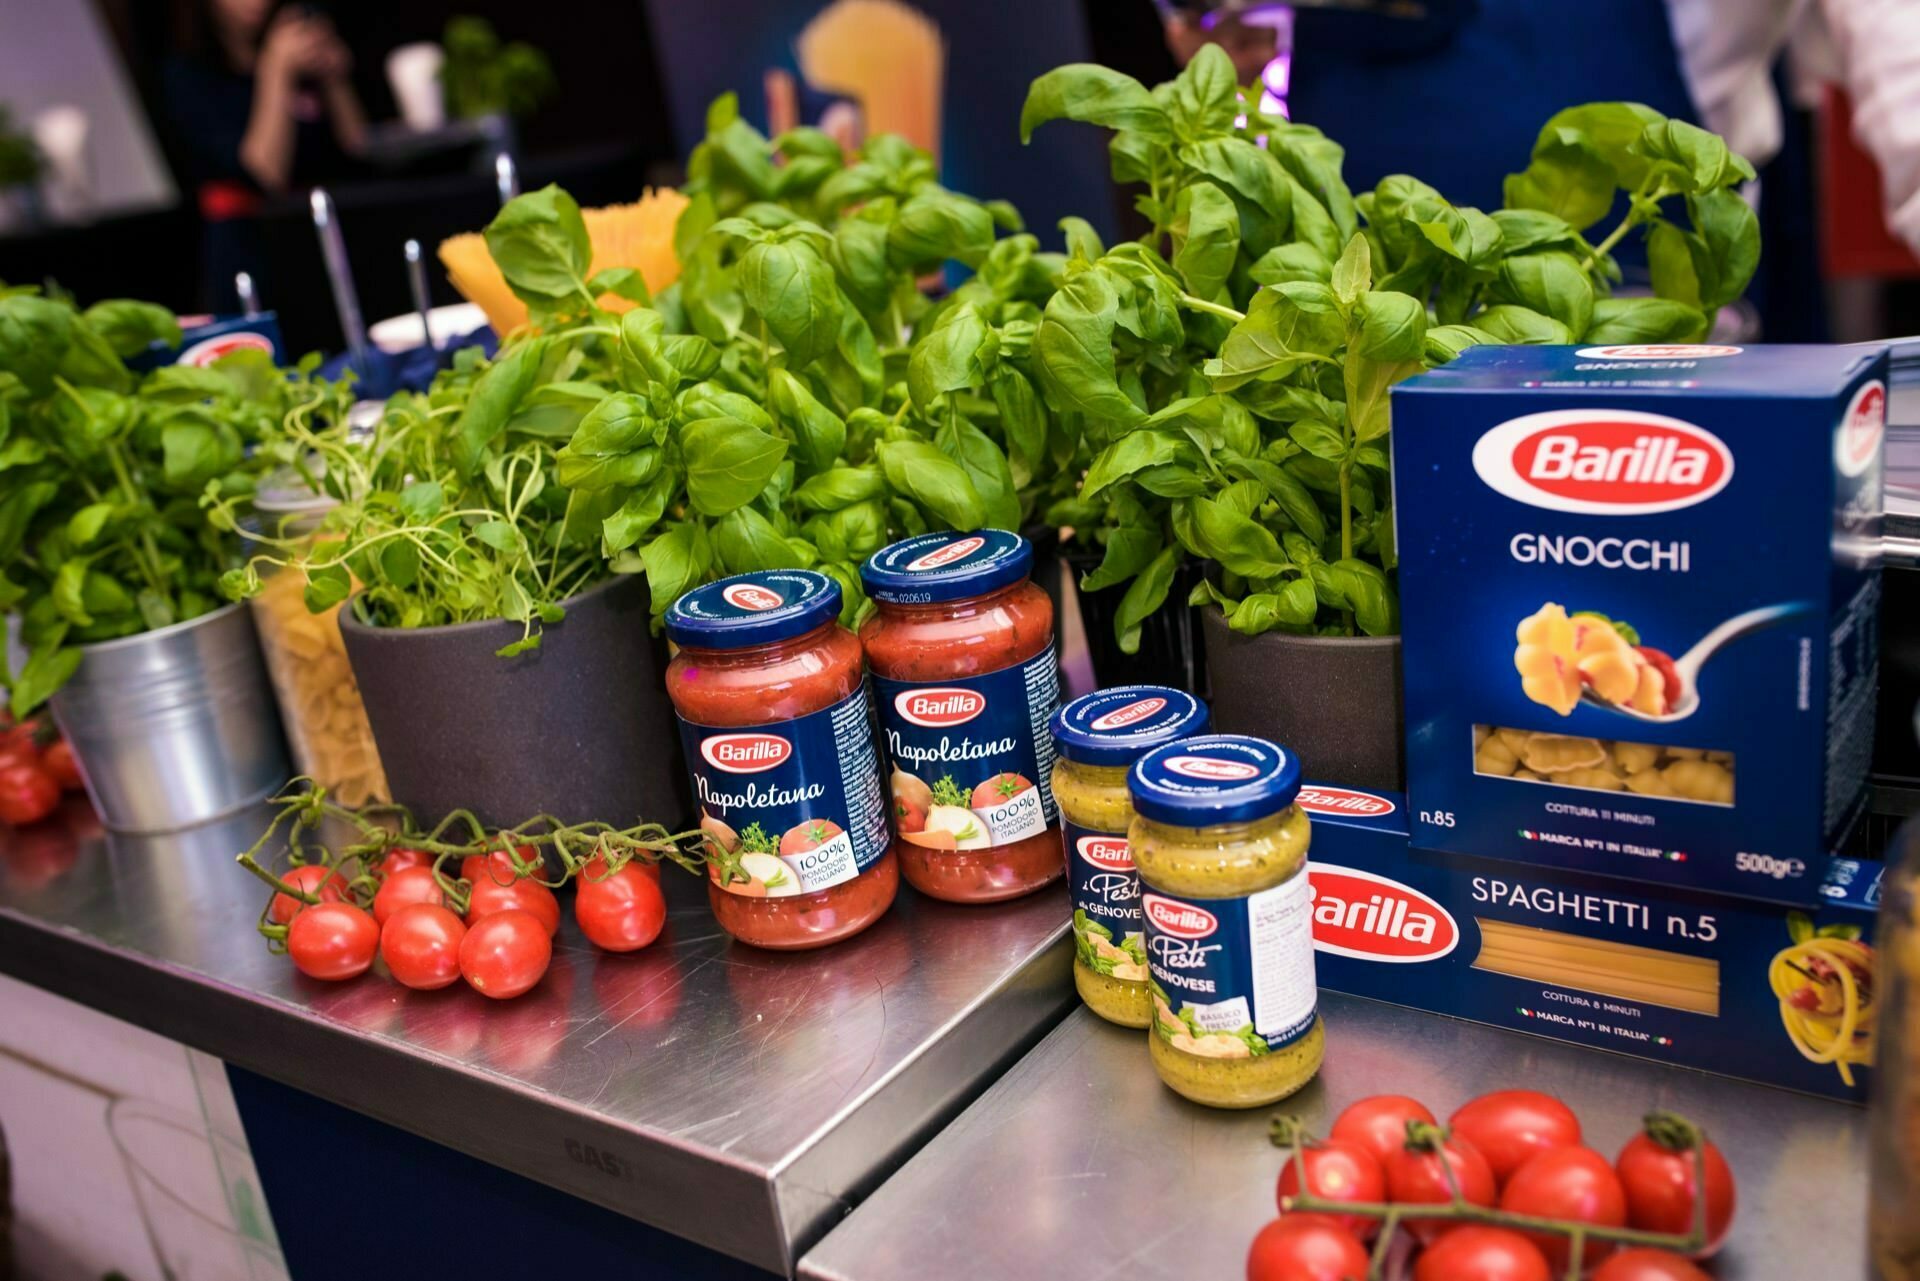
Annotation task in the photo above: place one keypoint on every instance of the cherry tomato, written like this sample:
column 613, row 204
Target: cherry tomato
column 60, row 762
column 489, row 896
column 1568, row 1183
column 311, row 878
column 1379, row 1123
column 622, row 912
column 1656, row 1169
column 1306, row 1247
column 496, row 866
column 505, row 953
column 1337, row 1170
column 400, row 858
column 1414, row 1174
column 1643, row 1264
column 420, row 942
column 1508, row 1126
column 1477, row 1252
column 408, row 885
column 332, row 941
column 27, row 794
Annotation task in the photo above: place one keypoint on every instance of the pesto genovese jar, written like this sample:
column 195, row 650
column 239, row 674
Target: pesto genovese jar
column 1221, row 849
column 1096, row 738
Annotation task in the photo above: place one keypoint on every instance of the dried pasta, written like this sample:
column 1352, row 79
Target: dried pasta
column 319, row 701
column 1595, row 764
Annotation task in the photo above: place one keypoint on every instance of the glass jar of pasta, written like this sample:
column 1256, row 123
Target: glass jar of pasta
column 313, row 683
column 1096, row 738
column 1221, row 849
column 1893, row 1205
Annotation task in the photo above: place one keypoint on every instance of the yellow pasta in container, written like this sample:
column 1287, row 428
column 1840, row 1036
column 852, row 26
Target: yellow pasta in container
column 312, row 680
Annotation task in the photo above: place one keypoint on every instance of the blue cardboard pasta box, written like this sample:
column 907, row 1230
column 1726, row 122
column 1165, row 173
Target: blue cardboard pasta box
column 1639, row 591
column 1749, row 989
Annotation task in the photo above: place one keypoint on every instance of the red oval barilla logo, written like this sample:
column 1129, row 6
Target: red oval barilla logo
column 1341, row 800
column 1658, row 351
column 1108, row 853
column 1182, row 920
column 1368, row 917
column 1132, row 714
column 1861, row 428
column 751, row 596
column 1603, row 462
column 745, row 753
column 946, row 554
column 1212, row 769
column 939, row 707
column 208, row 350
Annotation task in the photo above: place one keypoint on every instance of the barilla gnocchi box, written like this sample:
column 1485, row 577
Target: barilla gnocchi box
column 1639, row 590
column 1745, row 988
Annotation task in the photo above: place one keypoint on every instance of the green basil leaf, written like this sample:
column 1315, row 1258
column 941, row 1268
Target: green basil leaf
column 539, row 241
column 1509, row 323
column 1619, row 321
column 1130, row 548
column 1240, row 544
column 676, row 561
column 1289, row 494
column 1286, row 327
column 1135, row 452
column 1205, row 97
column 1689, row 158
column 1263, row 190
column 48, row 667
column 1522, row 230
column 1295, row 261
column 1206, row 236
column 729, row 463
column 840, row 487
column 1322, row 440
column 638, row 513
column 496, row 394
column 326, row 587
column 1095, row 95
column 86, row 524
column 1568, row 177
column 1293, row 606
column 859, row 257
column 1023, row 421
column 1073, row 350
column 948, row 358
column 1144, row 598
column 793, row 290
column 744, row 540
column 986, row 467
column 1725, row 244
column 936, row 482
column 1551, row 283
column 936, row 225
column 1611, row 129
column 35, row 333
column 1353, row 272
column 1670, row 261
column 1444, row 342
column 131, row 327
column 820, row 432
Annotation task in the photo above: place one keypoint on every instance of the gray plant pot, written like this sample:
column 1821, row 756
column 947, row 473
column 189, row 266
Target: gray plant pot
column 580, row 728
column 174, row 727
column 1334, row 701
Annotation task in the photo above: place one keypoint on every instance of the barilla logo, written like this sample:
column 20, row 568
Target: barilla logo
column 1212, row 769
column 751, row 596
column 1182, row 920
column 1371, row 918
column 1658, row 351
column 1603, row 462
column 1860, row 430
column 1338, row 800
column 1132, row 714
column 745, row 753
column 204, row 353
column 941, row 556
column 938, row 708
column 1108, row 853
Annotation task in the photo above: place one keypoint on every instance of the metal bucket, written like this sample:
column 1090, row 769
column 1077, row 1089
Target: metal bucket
column 176, row 726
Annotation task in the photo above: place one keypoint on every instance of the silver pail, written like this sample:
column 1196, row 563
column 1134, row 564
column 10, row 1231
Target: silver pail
column 176, row 726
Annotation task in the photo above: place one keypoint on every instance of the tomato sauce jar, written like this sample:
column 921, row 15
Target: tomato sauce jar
column 961, row 651
column 773, row 712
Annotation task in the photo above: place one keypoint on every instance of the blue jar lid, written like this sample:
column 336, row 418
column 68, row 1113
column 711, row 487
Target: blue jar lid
column 943, row 566
column 1217, row 778
column 1117, row 726
column 753, row 609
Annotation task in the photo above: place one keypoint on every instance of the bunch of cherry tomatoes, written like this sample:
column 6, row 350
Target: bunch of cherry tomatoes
column 36, row 767
column 1513, row 1153
column 494, row 927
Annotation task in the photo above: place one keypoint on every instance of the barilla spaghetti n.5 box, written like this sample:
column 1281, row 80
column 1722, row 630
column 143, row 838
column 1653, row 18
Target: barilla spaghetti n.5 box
column 1638, row 596
column 1776, row 994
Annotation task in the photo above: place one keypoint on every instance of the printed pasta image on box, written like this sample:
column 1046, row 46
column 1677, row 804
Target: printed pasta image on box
column 1767, row 992
column 1639, row 604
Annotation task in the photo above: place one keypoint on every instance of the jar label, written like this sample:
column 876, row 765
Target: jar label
column 1108, row 935
column 1232, row 978
column 972, row 758
column 798, row 800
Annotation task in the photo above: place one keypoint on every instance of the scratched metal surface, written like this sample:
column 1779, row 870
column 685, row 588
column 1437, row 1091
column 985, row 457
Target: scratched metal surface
column 738, row 1098
column 1080, row 1163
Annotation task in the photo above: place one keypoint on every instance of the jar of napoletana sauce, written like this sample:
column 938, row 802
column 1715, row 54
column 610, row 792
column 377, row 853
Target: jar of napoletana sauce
column 774, row 718
column 961, row 651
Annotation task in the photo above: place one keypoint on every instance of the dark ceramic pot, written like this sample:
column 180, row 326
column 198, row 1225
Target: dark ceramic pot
column 1172, row 648
column 579, row 728
column 1334, row 701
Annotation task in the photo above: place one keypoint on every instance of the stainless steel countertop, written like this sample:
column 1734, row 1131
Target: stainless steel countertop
column 1080, row 1163
column 739, row 1098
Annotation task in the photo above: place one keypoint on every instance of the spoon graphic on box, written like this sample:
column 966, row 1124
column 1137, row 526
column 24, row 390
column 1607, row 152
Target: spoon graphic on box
column 1688, row 665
